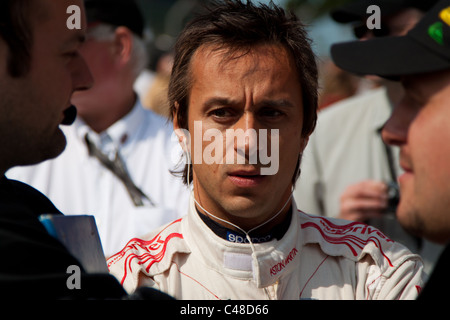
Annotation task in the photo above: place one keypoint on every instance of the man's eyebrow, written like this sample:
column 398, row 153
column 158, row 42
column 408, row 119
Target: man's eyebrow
column 218, row 101
column 282, row 103
column 222, row 102
column 406, row 83
column 77, row 38
column 80, row 37
column 411, row 86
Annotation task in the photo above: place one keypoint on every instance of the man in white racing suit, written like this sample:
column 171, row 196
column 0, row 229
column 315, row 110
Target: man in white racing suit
column 317, row 258
column 248, row 73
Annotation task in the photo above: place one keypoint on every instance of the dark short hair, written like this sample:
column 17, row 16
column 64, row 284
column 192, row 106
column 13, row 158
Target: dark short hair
column 15, row 29
column 238, row 26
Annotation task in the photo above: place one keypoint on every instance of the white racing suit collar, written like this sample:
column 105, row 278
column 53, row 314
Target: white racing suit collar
column 265, row 266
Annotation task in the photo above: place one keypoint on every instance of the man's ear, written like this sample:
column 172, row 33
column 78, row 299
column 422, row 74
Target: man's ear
column 181, row 133
column 175, row 116
column 123, row 44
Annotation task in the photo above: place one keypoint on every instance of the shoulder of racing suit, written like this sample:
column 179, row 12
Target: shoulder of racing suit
column 353, row 240
column 152, row 256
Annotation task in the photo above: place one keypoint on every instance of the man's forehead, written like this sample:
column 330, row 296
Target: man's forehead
column 44, row 10
column 217, row 53
column 419, row 81
column 227, row 57
column 424, row 87
column 234, row 52
column 52, row 17
column 39, row 10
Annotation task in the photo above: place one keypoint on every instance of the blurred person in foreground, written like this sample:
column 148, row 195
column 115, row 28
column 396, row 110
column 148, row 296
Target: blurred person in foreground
column 118, row 161
column 347, row 170
column 419, row 125
column 249, row 68
column 40, row 68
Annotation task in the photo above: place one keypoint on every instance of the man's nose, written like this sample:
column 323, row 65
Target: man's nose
column 81, row 76
column 248, row 145
column 395, row 130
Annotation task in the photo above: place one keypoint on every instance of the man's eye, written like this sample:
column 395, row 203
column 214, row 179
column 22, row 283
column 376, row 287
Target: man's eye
column 221, row 113
column 271, row 113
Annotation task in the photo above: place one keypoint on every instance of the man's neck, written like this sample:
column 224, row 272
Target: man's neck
column 257, row 236
column 249, row 224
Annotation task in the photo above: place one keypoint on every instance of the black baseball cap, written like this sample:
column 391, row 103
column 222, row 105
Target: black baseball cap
column 357, row 10
column 426, row 48
column 117, row 13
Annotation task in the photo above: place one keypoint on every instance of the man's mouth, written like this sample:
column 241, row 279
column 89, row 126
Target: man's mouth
column 405, row 160
column 246, row 178
column 407, row 168
column 405, row 164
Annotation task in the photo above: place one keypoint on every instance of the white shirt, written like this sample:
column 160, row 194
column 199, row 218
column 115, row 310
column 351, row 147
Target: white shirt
column 78, row 183
column 317, row 258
